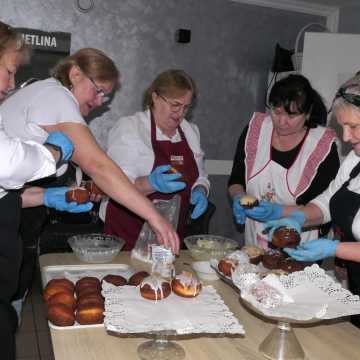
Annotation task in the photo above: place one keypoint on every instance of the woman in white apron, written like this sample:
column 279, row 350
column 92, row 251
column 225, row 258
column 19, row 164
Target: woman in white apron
column 340, row 202
column 284, row 157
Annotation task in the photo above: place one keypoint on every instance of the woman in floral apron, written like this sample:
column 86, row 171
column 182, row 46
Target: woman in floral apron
column 284, row 157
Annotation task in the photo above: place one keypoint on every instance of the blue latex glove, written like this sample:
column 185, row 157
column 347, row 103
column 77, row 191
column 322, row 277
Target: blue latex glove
column 238, row 210
column 266, row 211
column 165, row 183
column 313, row 250
column 55, row 198
column 58, row 138
column 295, row 220
column 199, row 199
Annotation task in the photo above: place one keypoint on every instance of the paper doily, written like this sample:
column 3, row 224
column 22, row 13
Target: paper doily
column 127, row 312
column 316, row 296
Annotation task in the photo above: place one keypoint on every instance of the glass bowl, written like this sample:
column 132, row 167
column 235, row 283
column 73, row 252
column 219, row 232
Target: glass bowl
column 95, row 248
column 206, row 246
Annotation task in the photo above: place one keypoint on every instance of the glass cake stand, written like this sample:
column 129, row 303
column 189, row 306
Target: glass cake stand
column 160, row 347
column 281, row 343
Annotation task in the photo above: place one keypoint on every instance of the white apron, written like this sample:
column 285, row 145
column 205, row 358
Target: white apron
column 267, row 180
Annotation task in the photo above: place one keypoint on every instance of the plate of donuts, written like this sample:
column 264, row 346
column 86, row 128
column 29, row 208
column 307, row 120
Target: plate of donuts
column 74, row 294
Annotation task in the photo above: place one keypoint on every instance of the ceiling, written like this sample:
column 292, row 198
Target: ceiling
column 338, row 3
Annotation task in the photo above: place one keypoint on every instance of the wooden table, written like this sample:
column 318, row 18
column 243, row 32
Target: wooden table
column 325, row 340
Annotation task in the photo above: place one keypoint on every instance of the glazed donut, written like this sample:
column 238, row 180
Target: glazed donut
column 285, row 237
column 291, row 265
column 272, row 258
column 53, row 289
column 63, row 282
column 92, row 188
column 60, row 315
column 87, row 281
column 116, row 280
column 91, row 299
column 87, row 291
column 90, row 314
column 79, row 195
column 137, row 278
column 186, row 285
column 65, row 298
column 154, row 288
column 227, row 266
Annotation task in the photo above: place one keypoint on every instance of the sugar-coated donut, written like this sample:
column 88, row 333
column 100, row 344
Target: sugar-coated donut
column 154, row 288
column 137, row 278
column 65, row 298
column 255, row 253
column 53, row 289
column 79, row 195
column 285, row 237
column 248, row 201
column 227, row 266
column 60, row 315
column 90, row 314
column 186, row 285
column 62, row 281
column 116, row 280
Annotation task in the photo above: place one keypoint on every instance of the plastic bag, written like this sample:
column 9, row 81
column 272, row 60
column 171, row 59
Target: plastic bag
column 170, row 210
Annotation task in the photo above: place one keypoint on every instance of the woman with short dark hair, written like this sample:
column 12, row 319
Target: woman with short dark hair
column 284, row 157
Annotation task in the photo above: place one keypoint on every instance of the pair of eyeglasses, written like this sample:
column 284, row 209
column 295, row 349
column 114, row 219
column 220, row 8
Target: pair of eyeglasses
column 175, row 106
column 99, row 92
column 350, row 98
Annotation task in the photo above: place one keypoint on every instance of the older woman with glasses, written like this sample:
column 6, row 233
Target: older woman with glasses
column 340, row 202
column 284, row 157
column 78, row 86
column 151, row 144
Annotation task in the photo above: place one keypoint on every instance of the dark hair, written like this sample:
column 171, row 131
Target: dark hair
column 92, row 62
column 172, row 83
column 296, row 95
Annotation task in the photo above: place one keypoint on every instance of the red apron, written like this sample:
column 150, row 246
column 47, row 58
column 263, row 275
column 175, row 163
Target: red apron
column 122, row 222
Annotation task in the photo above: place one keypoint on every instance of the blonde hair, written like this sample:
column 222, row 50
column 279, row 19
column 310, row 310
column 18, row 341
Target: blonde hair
column 11, row 39
column 92, row 62
column 170, row 83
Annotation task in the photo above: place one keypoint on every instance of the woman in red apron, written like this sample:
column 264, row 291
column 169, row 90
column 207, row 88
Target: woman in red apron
column 161, row 141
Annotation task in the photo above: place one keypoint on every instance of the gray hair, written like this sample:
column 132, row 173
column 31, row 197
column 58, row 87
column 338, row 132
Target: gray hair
column 348, row 95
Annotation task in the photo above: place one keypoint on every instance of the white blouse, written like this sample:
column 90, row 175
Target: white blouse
column 322, row 201
column 129, row 145
column 21, row 162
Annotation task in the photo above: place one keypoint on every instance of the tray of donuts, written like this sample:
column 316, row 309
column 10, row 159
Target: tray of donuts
column 253, row 259
column 73, row 294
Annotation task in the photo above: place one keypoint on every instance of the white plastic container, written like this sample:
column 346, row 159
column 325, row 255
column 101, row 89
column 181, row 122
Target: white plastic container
column 204, row 271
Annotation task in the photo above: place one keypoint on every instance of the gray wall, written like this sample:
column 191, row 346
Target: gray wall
column 349, row 19
column 229, row 56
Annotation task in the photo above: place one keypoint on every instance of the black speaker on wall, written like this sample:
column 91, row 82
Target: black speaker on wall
column 183, row 36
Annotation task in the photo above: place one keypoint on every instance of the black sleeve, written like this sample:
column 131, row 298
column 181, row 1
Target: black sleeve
column 325, row 174
column 238, row 171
